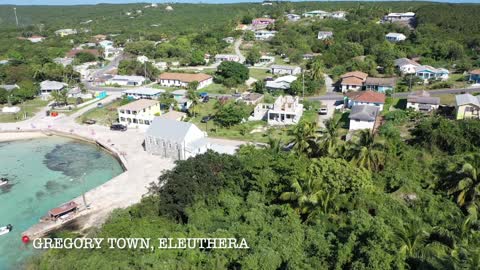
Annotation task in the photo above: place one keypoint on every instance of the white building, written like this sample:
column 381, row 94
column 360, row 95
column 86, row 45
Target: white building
column 285, row 70
column 143, row 93
column 280, row 83
column 124, row 80
column 229, row 40
column 322, row 35
column 285, row 111
column 293, row 17
column 173, row 139
column 395, row 37
column 47, row 87
column 36, row 39
column 139, row 113
column 317, row 13
column 422, row 101
column 340, row 15
column 227, row 57
column 64, row 61
column 399, row 17
column 406, row 66
column 169, row 79
column 363, row 117
column 65, row 32
column 264, row 34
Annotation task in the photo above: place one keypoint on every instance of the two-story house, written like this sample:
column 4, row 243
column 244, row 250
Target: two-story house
column 139, row 113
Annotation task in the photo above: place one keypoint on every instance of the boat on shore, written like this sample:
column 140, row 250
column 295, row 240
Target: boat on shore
column 6, row 229
column 63, row 212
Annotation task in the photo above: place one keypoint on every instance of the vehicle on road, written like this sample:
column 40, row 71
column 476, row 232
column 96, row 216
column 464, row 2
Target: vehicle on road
column 99, row 105
column 118, row 127
column 206, row 99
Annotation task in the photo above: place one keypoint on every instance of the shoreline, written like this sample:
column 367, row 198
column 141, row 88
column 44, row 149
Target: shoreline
column 9, row 136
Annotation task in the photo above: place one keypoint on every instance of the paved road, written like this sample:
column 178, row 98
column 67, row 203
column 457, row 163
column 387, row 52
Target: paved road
column 329, row 83
column 236, row 46
column 442, row 91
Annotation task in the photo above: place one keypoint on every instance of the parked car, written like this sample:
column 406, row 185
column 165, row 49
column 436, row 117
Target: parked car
column 99, row 105
column 206, row 99
column 118, row 127
column 323, row 110
column 205, row 119
column 89, row 122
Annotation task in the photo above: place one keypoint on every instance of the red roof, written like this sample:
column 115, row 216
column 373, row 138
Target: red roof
column 475, row 72
column 367, row 96
column 357, row 74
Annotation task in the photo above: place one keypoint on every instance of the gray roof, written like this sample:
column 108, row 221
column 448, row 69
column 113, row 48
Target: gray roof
column 465, row 99
column 364, row 113
column 380, row 81
column 144, row 91
column 405, row 61
column 423, row 97
column 284, row 67
column 9, row 87
column 52, row 85
column 169, row 129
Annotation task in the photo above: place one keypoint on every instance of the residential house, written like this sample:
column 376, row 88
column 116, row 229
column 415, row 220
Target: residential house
column 139, row 113
column 76, row 92
column 340, row 15
column 85, row 69
column 317, row 13
column 173, row 139
column 262, row 21
column 264, row 34
column 474, row 76
column 399, row 17
column 363, row 117
column 125, row 80
column 352, row 81
column 406, row 66
column 9, row 87
column 183, row 103
column 285, row 111
column 35, row 39
column 280, row 83
column 293, row 17
column 429, row 72
column 467, row 106
column 380, row 84
column 174, row 115
column 285, row 70
column 105, row 43
column 265, row 60
column 252, row 98
column 229, row 40
column 422, row 101
column 143, row 93
column 369, row 98
column 64, row 61
column 65, row 32
column 395, row 37
column 99, row 37
column 322, row 35
column 227, row 57
column 169, row 79
column 267, row 3
column 310, row 56
column 47, row 87
column 111, row 52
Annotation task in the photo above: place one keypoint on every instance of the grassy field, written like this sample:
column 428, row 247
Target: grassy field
column 30, row 107
column 447, row 99
column 104, row 116
column 259, row 74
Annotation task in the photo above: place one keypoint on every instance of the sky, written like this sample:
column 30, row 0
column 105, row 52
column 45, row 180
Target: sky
column 90, row 2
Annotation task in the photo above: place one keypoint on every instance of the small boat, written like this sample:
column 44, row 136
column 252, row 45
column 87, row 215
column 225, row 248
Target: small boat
column 6, row 229
column 3, row 181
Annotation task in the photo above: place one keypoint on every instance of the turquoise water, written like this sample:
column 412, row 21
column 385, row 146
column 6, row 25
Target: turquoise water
column 44, row 173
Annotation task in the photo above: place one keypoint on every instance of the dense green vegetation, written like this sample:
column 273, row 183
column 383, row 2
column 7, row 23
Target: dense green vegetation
column 375, row 202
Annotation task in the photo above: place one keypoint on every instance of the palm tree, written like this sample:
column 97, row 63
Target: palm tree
column 316, row 70
column 366, row 152
column 60, row 97
column 192, row 95
column 467, row 184
column 304, row 135
column 330, row 137
column 274, row 145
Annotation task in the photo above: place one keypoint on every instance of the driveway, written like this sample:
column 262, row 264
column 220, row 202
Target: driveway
column 329, row 83
column 330, row 110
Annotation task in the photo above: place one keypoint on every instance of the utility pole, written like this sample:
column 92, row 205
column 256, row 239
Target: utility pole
column 15, row 12
column 303, row 84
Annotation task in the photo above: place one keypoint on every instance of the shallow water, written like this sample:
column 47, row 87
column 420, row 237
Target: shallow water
column 44, row 173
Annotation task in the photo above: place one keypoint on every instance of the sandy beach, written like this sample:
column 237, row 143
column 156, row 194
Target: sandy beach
column 13, row 136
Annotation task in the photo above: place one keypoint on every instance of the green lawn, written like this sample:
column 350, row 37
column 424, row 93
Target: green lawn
column 259, row 74
column 104, row 116
column 30, row 107
column 447, row 99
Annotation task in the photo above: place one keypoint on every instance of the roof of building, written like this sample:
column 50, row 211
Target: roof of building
column 179, row 92
column 395, row 35
column 465, row 99
column 364, row 112
column 226, row 56
column 185, row 77
column 173, row 115
column 432, row 69
column 283, row 67
column 9, row 87
column 475, row 72
column 144, row 91
column 127, row 78
column 405, row 61
column 139, row 104
column 404, row 14
column 169, row 129
column 357, row 74
column 423, row 97
column 380, row 81
column 52, row 85
column 352, row 81
column 264, row 19
column 367, row 96
column 325, row 32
